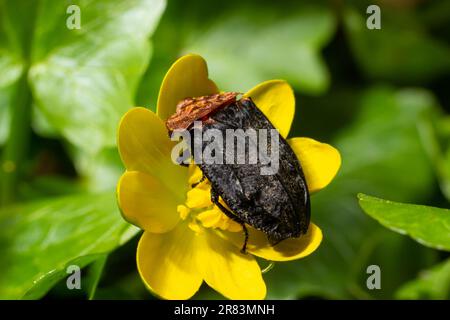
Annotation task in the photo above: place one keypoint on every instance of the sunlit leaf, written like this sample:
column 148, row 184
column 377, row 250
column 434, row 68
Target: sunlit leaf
column 39, row 240
column 101, row 171
column 84, row 79
column 11, row 69
column 428, row 225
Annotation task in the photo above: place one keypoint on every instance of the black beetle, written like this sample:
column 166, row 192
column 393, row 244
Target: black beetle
column 276, row 204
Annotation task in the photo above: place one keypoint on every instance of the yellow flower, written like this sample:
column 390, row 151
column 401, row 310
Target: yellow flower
column 187, row 239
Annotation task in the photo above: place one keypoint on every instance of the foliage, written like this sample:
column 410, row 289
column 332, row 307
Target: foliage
column 379, row 96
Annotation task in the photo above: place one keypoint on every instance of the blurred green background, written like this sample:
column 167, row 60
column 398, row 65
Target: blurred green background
column 380, row 96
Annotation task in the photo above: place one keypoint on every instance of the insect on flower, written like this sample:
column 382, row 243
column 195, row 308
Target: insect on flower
column 277, row 204
column 187, row 239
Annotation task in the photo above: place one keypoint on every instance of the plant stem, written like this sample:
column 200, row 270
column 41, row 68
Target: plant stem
column 18, row 141
column 15, row 149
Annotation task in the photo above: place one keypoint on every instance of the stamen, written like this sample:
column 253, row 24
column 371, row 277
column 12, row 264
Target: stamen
column 209, row 218
column 198, row 205
column 195, row 227
column 198, row 198
column 183, row 211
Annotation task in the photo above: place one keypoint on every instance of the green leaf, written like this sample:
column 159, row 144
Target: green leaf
column 82, row 80
column 269, row 45
column 39, row 240
column 11, row 69
column 431, row 284
column 428, row 225
column 95, row 273
column 400, row 51
column 432, row 129
column 41, row 125
column 101, row 171
column 95, row 69
column 373, row 150
column 272, row 42
column 46, row 186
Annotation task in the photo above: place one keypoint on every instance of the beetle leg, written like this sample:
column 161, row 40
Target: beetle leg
column 180, row 161
column 244, row 246
column 229, row 214
column 197, row 183
column 183, row 164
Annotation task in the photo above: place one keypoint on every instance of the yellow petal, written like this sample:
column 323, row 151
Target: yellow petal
column 144, row 145
column 226, row 270
column 167, row 263
column 187, row 77
column 224, row 222
column 146, row 202
column 286, row 250
column 275, row 98
column 320, row 161
column 194, row 226
column 234, row 226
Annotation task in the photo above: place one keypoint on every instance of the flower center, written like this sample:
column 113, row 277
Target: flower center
column 198, row 208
